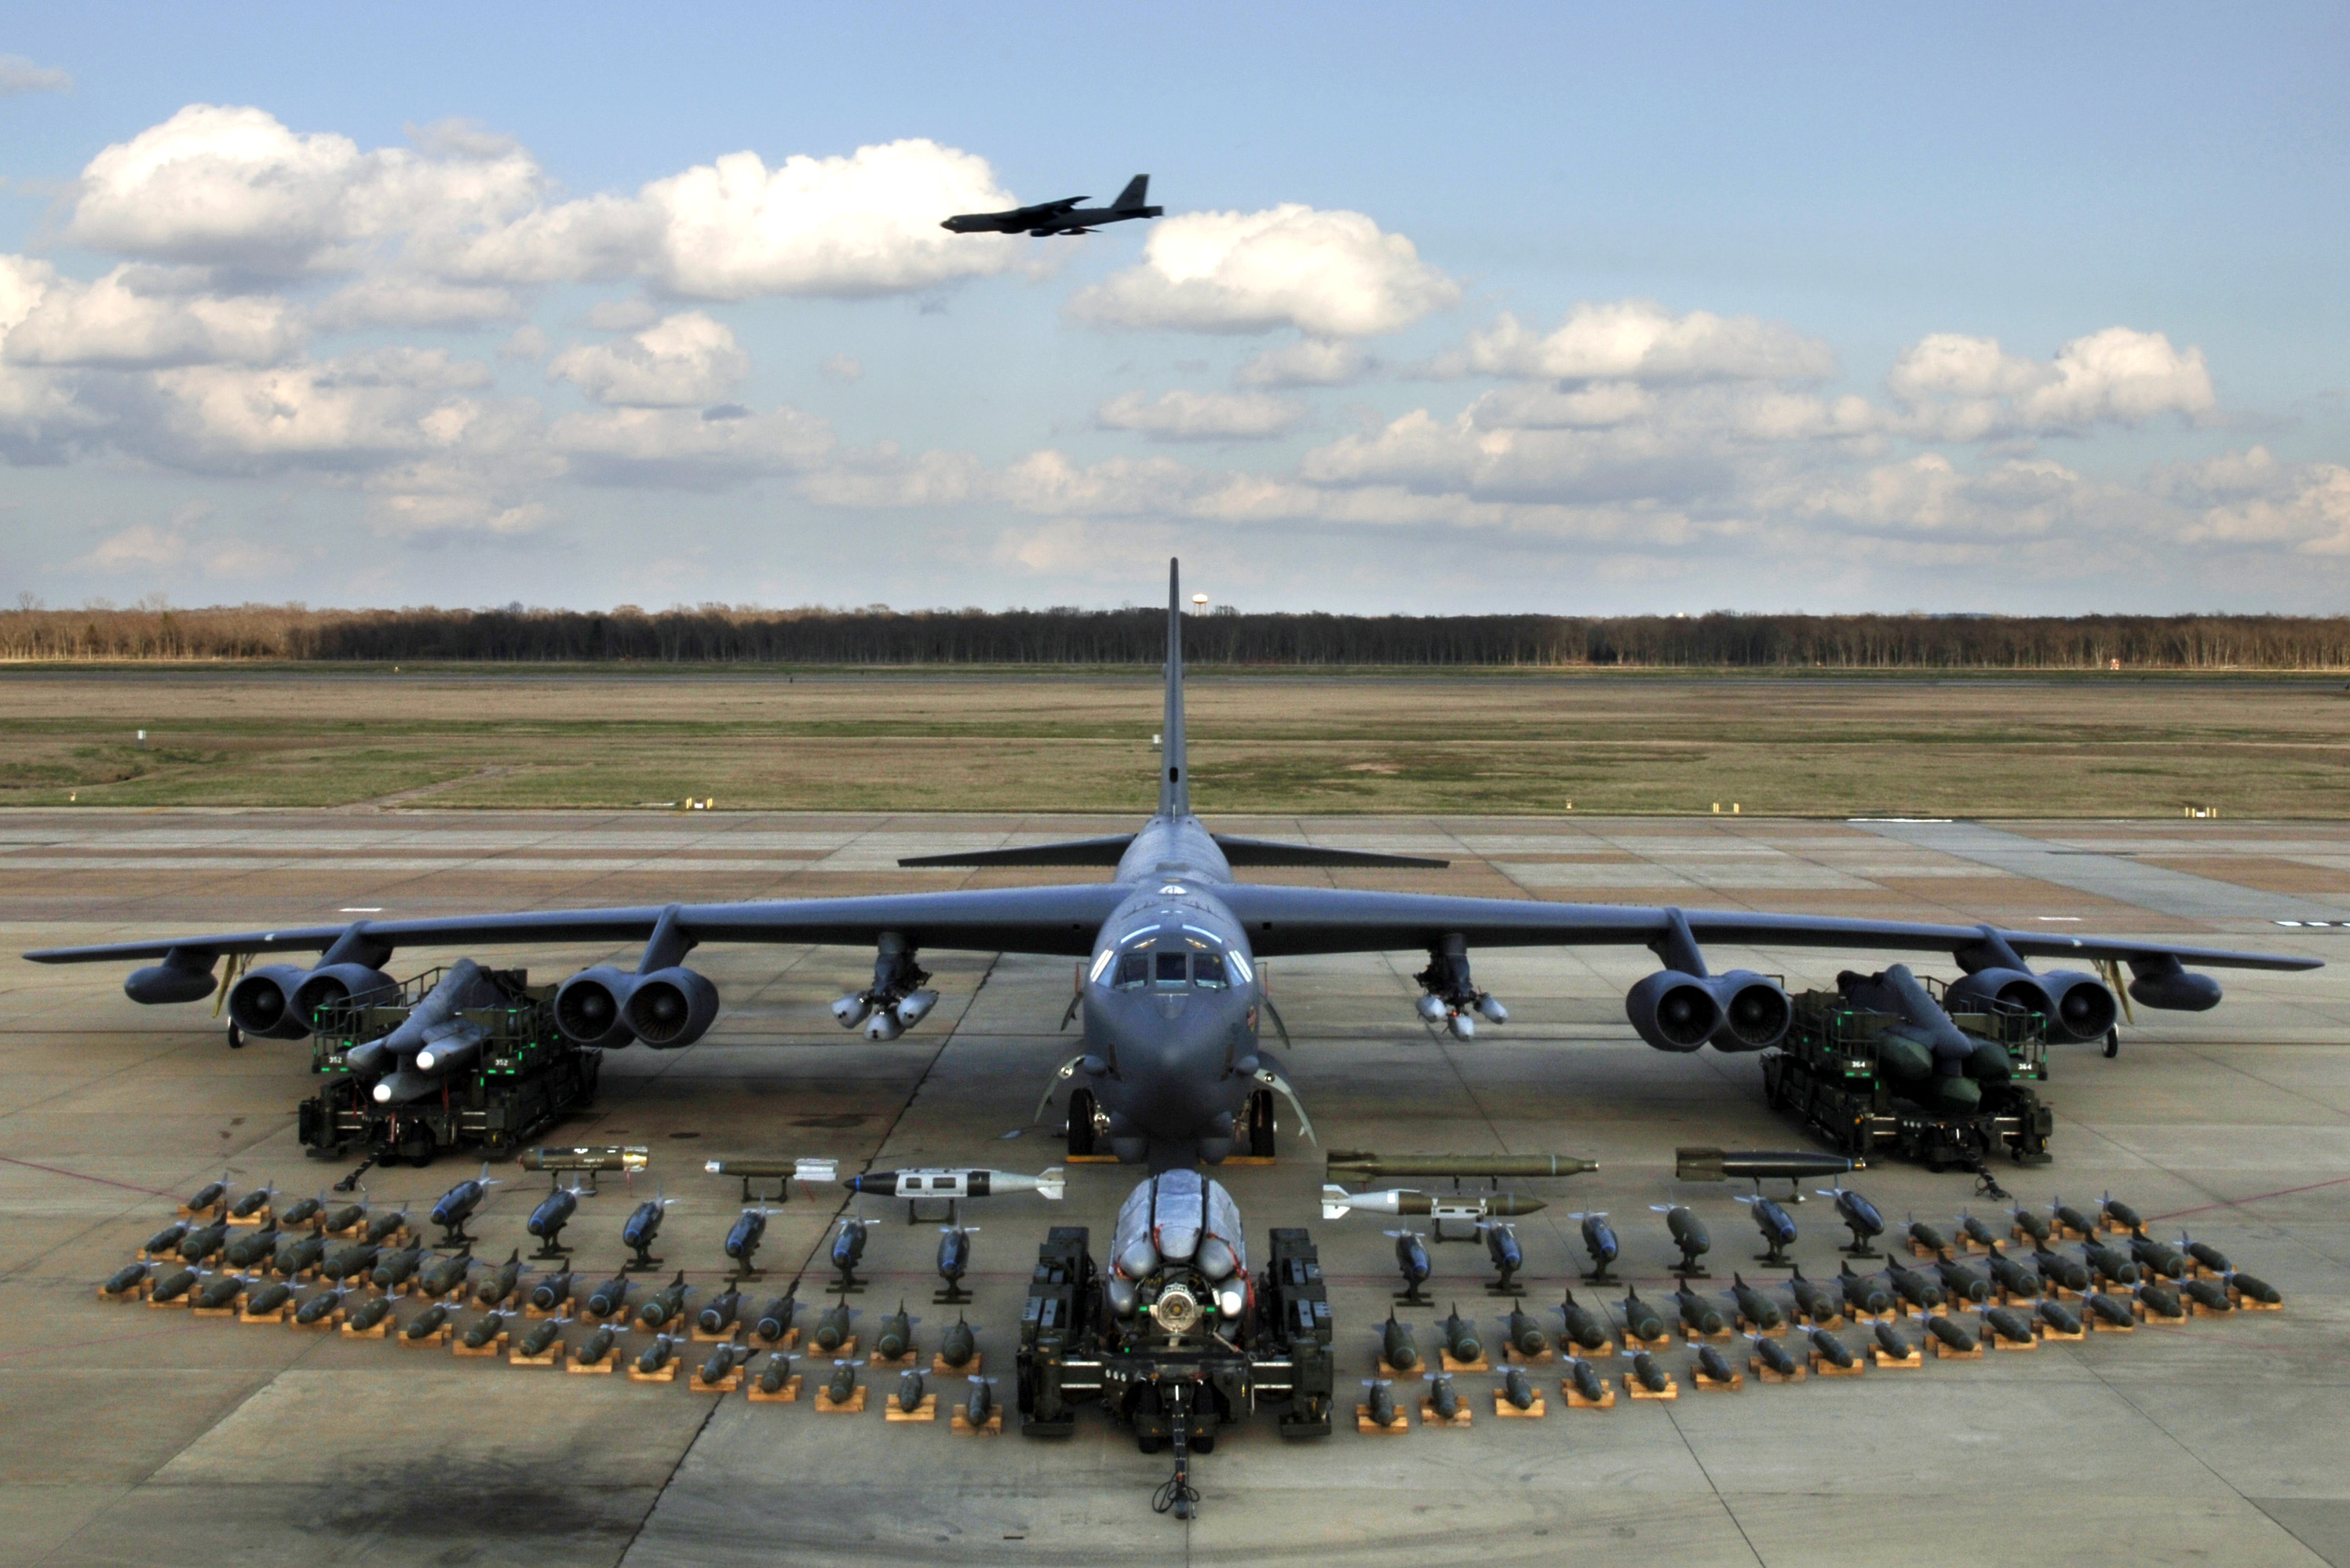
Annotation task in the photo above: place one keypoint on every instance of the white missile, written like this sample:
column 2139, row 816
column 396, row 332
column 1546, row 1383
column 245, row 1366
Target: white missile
column 1338, row 1202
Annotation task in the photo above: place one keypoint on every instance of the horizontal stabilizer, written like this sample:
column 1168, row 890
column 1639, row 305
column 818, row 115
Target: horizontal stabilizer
column 1267, row 852
column 1069, row 852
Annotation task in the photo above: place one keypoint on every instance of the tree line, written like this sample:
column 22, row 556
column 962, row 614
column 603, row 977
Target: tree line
column 722, row 634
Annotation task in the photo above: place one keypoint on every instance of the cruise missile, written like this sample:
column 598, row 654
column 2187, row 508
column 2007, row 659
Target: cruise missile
column 1358, row 1165
column 939, row 1181
column 628, row 1158
column 433, row 1024
column 1757, row 1165
column 1468, row 1209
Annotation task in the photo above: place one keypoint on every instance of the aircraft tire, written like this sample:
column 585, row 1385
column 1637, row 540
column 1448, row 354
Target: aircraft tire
column 1081, row 1123
column 1260, row 1124
column 236, row 1038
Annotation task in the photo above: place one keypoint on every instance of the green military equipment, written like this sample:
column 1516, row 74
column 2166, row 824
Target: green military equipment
column 1914, row 1287
column 1963, row 1283
column 1831, row 1349
column 368, row 1314
column 250, row 1248
column 1443, row 1399
column 264, row 1299
column 428, row 1323
column 1651, row 1374
column 446, row 1277
column 664, row 1304
column 484, row 1330
column 1951, row 1334
column 168, row 1238
column 598, row 1346
column 1459, row 1336
column 296, row 1253
column 320, row 1306
column 2110, row 1308
column 349, row 1262
column 2033, row 1223
column 1863, row 1294
column 384, row 1226
column 300, row 1212
column 2159, row 1257
column 2013, row 1278
column 220, row 1291
column 348, row 1217
column 609, row 1298
column 1526, row 1335
column 175, row 1285
column 832, row 1330
column 720, row 1365
column 656, row 1355
column 1641, row 1320
column 2111, row 1262
column 500, row 1282
column 2161, row 1300
column 719, row 1311
column 1774, row 1354
column 2119, row 1214
column 896, row 1337
column 1927, row 1238
column 957, row 1349
column 776, row 1375
column 1579, row 1326
column 252, row 1203
column 540, row 1339
column 1396, row 1347
column 2202, row 1293
column 2255, row 1288
column 1889, row 1340
column 909, row 1391
column 1756, row 1308
column 2203, row 1253
column 2072, row 1218
column 1586, row 1379
column 1714, row 1364
column 2059, row 1316
column 125, row 1280
column 981, row 1403
column 199, row 1244
column 1811, row 1300
column 1518, row 1388
column 774, row 1319
column 2010, row 1325
column 552, row 1292
column 843, row 1387
column 1698, row 1315
column 393, row 1269
column 1979, row 1233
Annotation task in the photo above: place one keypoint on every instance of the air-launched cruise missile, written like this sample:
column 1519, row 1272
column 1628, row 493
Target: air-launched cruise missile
column 1688, row 1233
column 393, row 1269
column 1588, row 1382
column 1860, row 1216
column 1641, row 1320
column 552, row 1291
column 1757, row 1165
column 959, row 1345
column 1411, row 1261
column 664, row 1304
column 955, row 1182
column 432, row 1025
column 1963, row 1283
column 1698, row 1315
column 1755, row 1307
column 1580, row 1326
column 1442, row 1208
column 895, row 1337
column 1397, row 1346
column 1777, row 1227
column 718, row 1314
column 1443, row 1399
column 637, row 1232
column 1599, row 1241
column 1925, row 1058
column 1774, row 1355
column 832, row 1330
column 1526, row 1336
column 1358, row 1166
column 1459, row 1337
column 609, row 1298
column 457, row 1205
column 774, row 1319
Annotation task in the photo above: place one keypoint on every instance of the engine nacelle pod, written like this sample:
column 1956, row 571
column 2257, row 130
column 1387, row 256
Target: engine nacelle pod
column 670, row 1007
column 1755, row 1011
column 334, row 985
column 262, row 1003
column 1672, row 1011
column 2155, row 983
column 588, row 1006
column 2076, row 1006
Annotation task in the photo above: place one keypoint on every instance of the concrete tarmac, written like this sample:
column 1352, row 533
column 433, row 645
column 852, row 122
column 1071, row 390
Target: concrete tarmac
column 143, row 1436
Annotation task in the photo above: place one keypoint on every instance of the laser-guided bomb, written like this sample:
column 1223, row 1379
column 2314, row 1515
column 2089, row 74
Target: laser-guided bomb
column 1688, row 1234
column 1860, row 1217
column 1599, row 1241
column 638, row 1232
column 457, row 1205
column 1778, row 1229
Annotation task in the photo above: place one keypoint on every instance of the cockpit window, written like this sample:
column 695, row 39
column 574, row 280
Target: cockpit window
column 1133, row 970
column 1171, row 969
column 1208, row 970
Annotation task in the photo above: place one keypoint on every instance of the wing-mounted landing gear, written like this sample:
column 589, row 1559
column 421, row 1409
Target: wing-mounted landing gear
column 1449, row 995
column 896, row 1001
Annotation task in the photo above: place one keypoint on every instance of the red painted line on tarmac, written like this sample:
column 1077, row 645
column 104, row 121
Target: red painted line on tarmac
column 77, row 1175
column 2255, row 1198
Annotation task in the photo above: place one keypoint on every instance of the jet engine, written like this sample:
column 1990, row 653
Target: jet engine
column 669, row 1008
column 2076, row 1006
column 262, row 1003
column 1755, row 1011
column 331, row 985
column 588, row 1006
column 1673, row 1010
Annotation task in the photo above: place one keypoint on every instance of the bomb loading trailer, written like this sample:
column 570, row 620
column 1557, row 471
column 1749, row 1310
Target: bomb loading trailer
column 1175, row 1339
column 516, row 1080
column 1867, row 1074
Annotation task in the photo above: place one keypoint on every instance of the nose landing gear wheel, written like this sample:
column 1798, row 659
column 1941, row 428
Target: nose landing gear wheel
column 1261, row 1126
column 1081, row 1123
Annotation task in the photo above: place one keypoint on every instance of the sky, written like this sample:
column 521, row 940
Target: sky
column 1462, row 308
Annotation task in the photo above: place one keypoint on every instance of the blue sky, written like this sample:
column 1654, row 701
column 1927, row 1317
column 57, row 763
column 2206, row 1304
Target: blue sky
column 1454, row 309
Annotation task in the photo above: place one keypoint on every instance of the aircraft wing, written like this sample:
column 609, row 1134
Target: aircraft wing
column 1054, row 920
column 1284, row 921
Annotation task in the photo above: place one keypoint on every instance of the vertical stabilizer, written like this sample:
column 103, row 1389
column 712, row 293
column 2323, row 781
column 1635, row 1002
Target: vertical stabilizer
column 1175, row 768
column 1135, row 194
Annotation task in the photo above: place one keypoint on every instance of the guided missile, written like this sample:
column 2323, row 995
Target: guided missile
column 1757, row 1165
column 1359, row 1165
column 628, row 1158
column 934, row 1182
column 1338, row 1202
column 431, row 1019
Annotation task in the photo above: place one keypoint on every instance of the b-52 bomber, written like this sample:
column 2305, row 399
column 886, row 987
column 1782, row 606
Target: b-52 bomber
column 1061, row 217
column 1173, row 1073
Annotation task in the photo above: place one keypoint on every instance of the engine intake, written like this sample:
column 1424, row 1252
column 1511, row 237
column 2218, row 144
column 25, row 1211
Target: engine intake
column 262, row 1003
column 1673, row 1010
column 2075, row 1006
column 1755, row 1011
column 671, row 1008
column 331, row 985
column 588, row 1006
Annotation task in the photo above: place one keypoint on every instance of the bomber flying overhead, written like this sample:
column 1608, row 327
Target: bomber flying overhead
column 1172, row 1072
column 1061, row 217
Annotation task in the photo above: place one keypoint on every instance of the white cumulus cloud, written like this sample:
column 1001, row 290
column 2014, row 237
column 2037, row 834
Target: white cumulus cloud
column 1957, row 388
column 19, row 75
column 1640, row 340
column 1329, row 274
column 128, row 320
column 1309, row 362
column 1182, row 415
column 679, row 361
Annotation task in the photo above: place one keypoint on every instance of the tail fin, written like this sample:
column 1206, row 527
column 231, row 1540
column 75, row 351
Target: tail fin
column 1136, row 193
column 1174, row 781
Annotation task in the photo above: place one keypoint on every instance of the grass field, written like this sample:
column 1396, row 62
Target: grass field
column 1342, row 743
